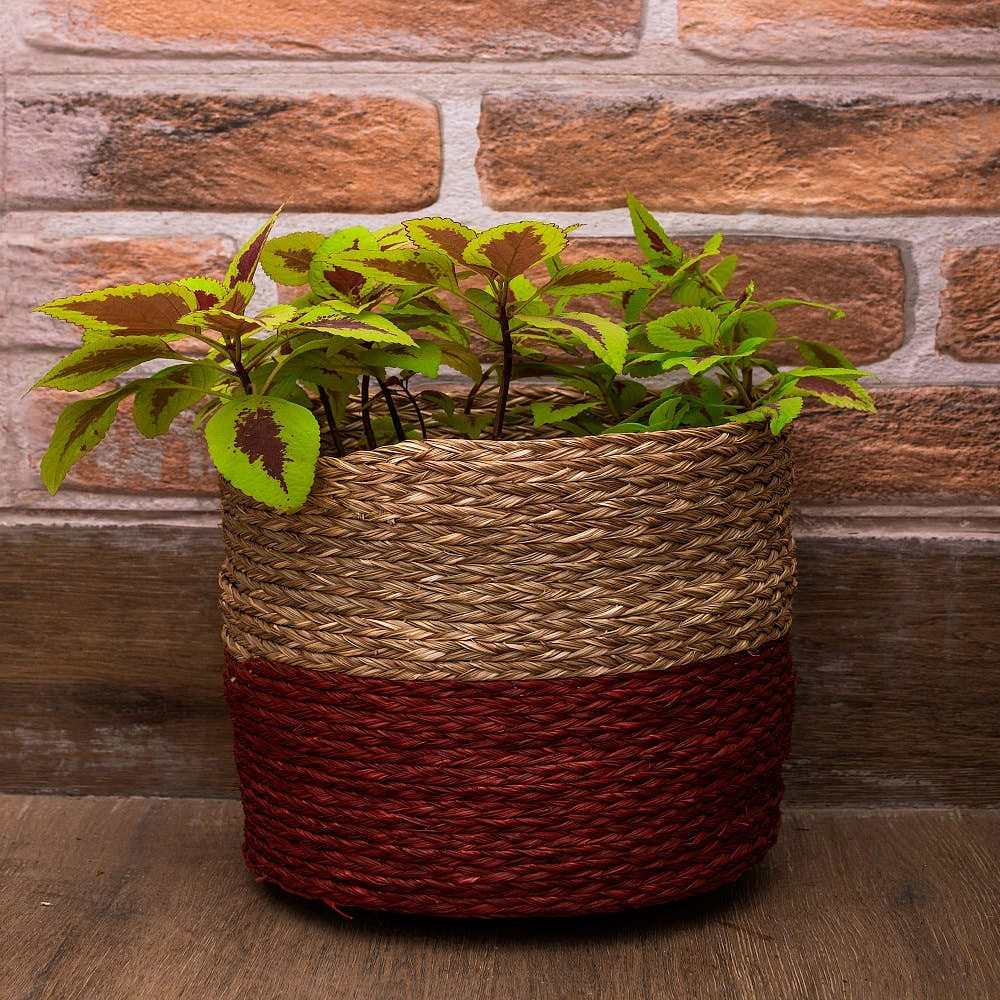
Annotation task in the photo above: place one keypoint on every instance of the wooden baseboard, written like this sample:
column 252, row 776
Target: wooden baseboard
column 110, row 678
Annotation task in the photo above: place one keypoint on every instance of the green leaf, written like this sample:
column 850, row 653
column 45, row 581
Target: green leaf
column 101, row 359
column 163, row 396
column 465, row 361
column 784, row 303
column 722, row 273
column 711, row 248
column 663, row 417
column 80, row 427
column 820, row 355
column 597, row 276
column 442, row 236
column 468, row 425
column 484, row 312
column 424, row 358
column 753, row 416
column 546, row 413
column 127, row 310
column 787, row 410
column 515, row 247
column 244, row 264
column 286, row 259
column 604, row 338
column 702, row 322
column 267, row 447
column 758, row 323
column 649, row 234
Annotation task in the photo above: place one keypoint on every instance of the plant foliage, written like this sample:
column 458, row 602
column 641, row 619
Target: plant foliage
column 379, row 313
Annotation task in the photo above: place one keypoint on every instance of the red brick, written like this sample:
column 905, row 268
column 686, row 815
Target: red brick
column 970, row 304
column 39, row 270
column 377, row 28
column 175, row 463
column 812, row 30
column 931, row 443
column 866, row 280
column 849, row 157
column 192, row 153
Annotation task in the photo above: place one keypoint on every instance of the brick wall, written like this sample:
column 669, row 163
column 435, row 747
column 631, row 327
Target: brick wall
column 849, row 151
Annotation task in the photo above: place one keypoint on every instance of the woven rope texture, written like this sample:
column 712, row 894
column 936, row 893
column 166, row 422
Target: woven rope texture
column 511, row 798
column 473, row 560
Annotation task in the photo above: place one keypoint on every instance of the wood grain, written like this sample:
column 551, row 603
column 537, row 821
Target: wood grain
column 110, row 682
column 143, row 898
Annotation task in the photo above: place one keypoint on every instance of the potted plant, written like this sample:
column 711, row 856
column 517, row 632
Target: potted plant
column 508, row 574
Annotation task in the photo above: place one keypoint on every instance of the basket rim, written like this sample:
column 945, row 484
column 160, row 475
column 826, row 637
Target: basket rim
column 457, row 449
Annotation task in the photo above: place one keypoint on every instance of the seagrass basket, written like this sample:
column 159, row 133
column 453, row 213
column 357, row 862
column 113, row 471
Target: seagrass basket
column 503, row 678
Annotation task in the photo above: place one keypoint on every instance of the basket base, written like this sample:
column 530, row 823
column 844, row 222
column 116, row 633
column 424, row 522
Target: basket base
column 514, row 798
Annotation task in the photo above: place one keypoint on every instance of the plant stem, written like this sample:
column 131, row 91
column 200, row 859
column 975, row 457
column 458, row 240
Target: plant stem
column 324, row 398
column 745, row 398
column 508, row 362
column 473, row 392
column 397, row 424
column 366, row 417
column 416, row 410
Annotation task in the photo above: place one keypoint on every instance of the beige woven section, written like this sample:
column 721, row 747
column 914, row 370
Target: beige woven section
column 516, row 559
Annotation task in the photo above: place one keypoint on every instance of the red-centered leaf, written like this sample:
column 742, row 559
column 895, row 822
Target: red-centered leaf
column 286, row 259
column 843, row 393
column 267, row 447
column 164, row 395
column 80, row 427
column 443, row 235
column 597, row 276
column 363, row 326
column 232, row 325
column 245, row 262
column 703, row 323
column 649, row 234
column 407, row 267
column 515, row 247
column 207, row 291
column 128, row 310
column 604, row 338
column 101, row 359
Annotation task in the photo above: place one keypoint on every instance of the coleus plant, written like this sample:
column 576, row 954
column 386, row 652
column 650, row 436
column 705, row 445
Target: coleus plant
column 389, row 316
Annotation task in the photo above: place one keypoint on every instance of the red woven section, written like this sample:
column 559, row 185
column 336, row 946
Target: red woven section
column 508, row 798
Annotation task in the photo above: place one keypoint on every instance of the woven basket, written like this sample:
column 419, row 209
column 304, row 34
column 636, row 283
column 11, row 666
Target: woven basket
column 515, row 677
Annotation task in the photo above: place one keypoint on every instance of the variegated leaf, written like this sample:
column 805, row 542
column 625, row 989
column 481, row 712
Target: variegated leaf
column 842, row 392
column 515, row 247
column 267, row 447
column 407, row 267
column 597, row 276
column 442, row 235
column 80, row 427
column 101, row 359
column 363, row 326
column 207, row 291
column 703, row 323
column 244, row 264
column 286, row 259
column 604, row 338
column 649, row 234
column 167, row 393
column 127, row 310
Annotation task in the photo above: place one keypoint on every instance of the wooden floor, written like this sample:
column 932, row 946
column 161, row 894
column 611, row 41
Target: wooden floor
column 111, row 898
